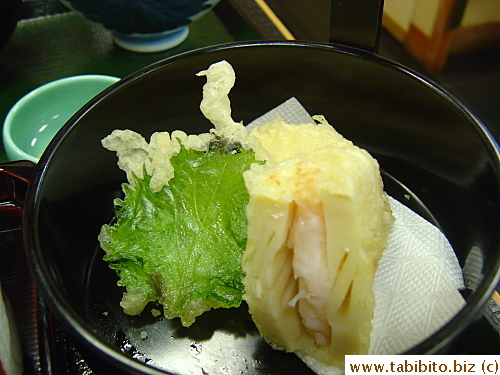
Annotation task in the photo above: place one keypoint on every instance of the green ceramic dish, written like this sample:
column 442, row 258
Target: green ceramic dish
column 34, row 120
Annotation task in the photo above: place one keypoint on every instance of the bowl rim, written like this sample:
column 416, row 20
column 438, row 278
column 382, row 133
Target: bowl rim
column 79, row 327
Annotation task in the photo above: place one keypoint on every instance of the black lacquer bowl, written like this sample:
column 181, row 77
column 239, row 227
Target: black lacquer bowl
column 428, row 145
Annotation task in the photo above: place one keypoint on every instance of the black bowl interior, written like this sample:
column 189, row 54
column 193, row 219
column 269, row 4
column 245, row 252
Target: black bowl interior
column 427, row 144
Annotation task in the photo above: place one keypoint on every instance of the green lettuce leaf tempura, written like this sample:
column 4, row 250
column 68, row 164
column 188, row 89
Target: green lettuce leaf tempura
column 183, row 244
column 180, row 230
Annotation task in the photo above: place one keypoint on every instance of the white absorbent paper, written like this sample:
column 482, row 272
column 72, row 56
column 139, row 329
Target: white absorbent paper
column 418, row 279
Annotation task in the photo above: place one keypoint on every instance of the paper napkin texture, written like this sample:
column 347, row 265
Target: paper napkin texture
column 290, row 111
column 416, row 284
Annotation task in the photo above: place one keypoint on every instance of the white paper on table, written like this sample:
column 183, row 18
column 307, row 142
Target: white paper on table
column 418, row 279
column 11, row 357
